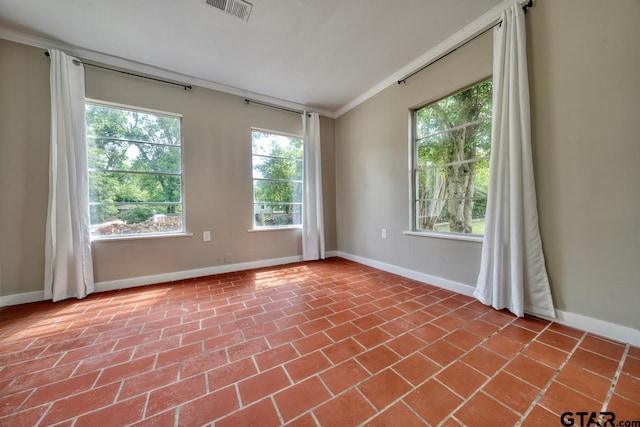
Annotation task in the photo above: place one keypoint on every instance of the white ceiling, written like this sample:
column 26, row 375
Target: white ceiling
column 322, row 54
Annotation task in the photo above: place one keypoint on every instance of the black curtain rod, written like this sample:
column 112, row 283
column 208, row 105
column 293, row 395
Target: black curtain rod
column 251, row 101
column 186, row 87
column 404, row 79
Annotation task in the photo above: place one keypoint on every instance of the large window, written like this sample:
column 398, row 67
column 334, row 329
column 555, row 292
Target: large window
column 451, row 149
column 135, row 171
column 277, row 179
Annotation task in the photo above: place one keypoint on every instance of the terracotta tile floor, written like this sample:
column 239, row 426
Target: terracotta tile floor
column 330, row 343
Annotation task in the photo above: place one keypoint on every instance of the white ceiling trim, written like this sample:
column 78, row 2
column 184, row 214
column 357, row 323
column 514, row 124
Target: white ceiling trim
column 125, row 64
column 482, row 23
column 476, row 27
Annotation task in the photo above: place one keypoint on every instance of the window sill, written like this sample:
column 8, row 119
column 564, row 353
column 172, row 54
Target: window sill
column 450, row 236
column 139, row 237
column 284, row 227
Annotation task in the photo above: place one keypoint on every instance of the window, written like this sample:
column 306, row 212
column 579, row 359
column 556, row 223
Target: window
column 277, row 179
column 135, row 171
column 451, row 149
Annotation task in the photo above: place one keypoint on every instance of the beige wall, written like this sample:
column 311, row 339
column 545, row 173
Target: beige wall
column 585, row 84
column 24, row 166
column 372, row 143
column 584, row 66
column 217, row 175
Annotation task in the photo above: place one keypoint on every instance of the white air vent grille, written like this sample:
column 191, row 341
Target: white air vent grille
column 238, row 8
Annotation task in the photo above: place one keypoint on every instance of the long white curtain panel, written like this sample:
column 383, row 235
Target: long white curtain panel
column 68, row 263
column 512, row 270
column 312, row 208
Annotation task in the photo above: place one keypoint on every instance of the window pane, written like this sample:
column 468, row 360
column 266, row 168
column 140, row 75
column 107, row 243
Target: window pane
column 430, row 214
column 121, row 123
column 276, row 191
column 135, row 218
column 129, row 156
column 431, row 183
column 434, row 149
column 277, row 168
column 451, row 157
column 277, row 186
column 478, row 136
column 270, row 144
column 469, row 105
column 272, row 214
column 435, row 215
column 125, row 187
column 135, row 181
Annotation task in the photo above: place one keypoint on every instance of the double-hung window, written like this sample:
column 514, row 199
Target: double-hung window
column 451, row 148
column 278, row 167
column 135, row 171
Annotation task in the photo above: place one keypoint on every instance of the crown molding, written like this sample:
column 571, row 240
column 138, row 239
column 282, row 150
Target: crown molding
column 128, row 65
column 480, row 24
column 471, row 30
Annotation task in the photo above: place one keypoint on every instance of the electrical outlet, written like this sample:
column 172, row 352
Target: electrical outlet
column 383, row 233
column 206, row 236
column 227, row 257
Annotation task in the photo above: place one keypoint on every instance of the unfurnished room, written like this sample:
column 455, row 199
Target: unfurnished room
column 319, row 213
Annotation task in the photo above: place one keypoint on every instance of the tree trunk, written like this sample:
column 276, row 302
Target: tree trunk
column 460, row 178
column 460, row 189
column 429, row 213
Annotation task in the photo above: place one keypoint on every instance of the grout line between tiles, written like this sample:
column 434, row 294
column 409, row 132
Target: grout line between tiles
column 237, row 389
column 321, row 290
column 44, row 414
column 491, row 377
column 276, row 408
column 557, row 371
column 614, row 381
column 176, row 416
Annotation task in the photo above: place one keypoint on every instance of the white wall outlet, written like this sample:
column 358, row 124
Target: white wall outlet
column 227, row 257
column 206, row 236
column 383, row 233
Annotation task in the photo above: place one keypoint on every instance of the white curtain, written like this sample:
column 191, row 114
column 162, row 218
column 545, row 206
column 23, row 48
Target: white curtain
column 68, row 264
column 512, row 270
column 312, row 216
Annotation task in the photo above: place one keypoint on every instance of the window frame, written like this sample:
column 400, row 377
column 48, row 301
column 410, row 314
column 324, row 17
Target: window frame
column 414, row 170
column 255, row 227
column 129, row 236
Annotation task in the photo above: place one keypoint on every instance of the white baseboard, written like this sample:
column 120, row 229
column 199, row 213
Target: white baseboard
column 450, row 285
column 609, row 330
column 592, row 325
column 595, row 326
column 23, row 298
column 111, row 285
column 190, row 274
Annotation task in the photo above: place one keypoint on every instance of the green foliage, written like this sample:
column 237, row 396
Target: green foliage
column 277, row 173
column 453, row 143
column 137, row 214
column 121, row 141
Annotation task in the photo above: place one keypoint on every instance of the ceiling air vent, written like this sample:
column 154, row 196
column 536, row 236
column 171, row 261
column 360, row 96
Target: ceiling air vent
column 238, row 8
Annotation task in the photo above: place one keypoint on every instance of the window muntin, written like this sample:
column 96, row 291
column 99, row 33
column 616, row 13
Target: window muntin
column 451, row 151
column 278, row 166
column 135, row 171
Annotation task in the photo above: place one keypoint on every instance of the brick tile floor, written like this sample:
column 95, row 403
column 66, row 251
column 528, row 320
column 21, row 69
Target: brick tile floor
column 330, row 343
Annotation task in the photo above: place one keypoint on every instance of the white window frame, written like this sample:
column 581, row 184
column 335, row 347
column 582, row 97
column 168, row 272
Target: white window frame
column 172, row 233
column 255, row 227
column 414, row 170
